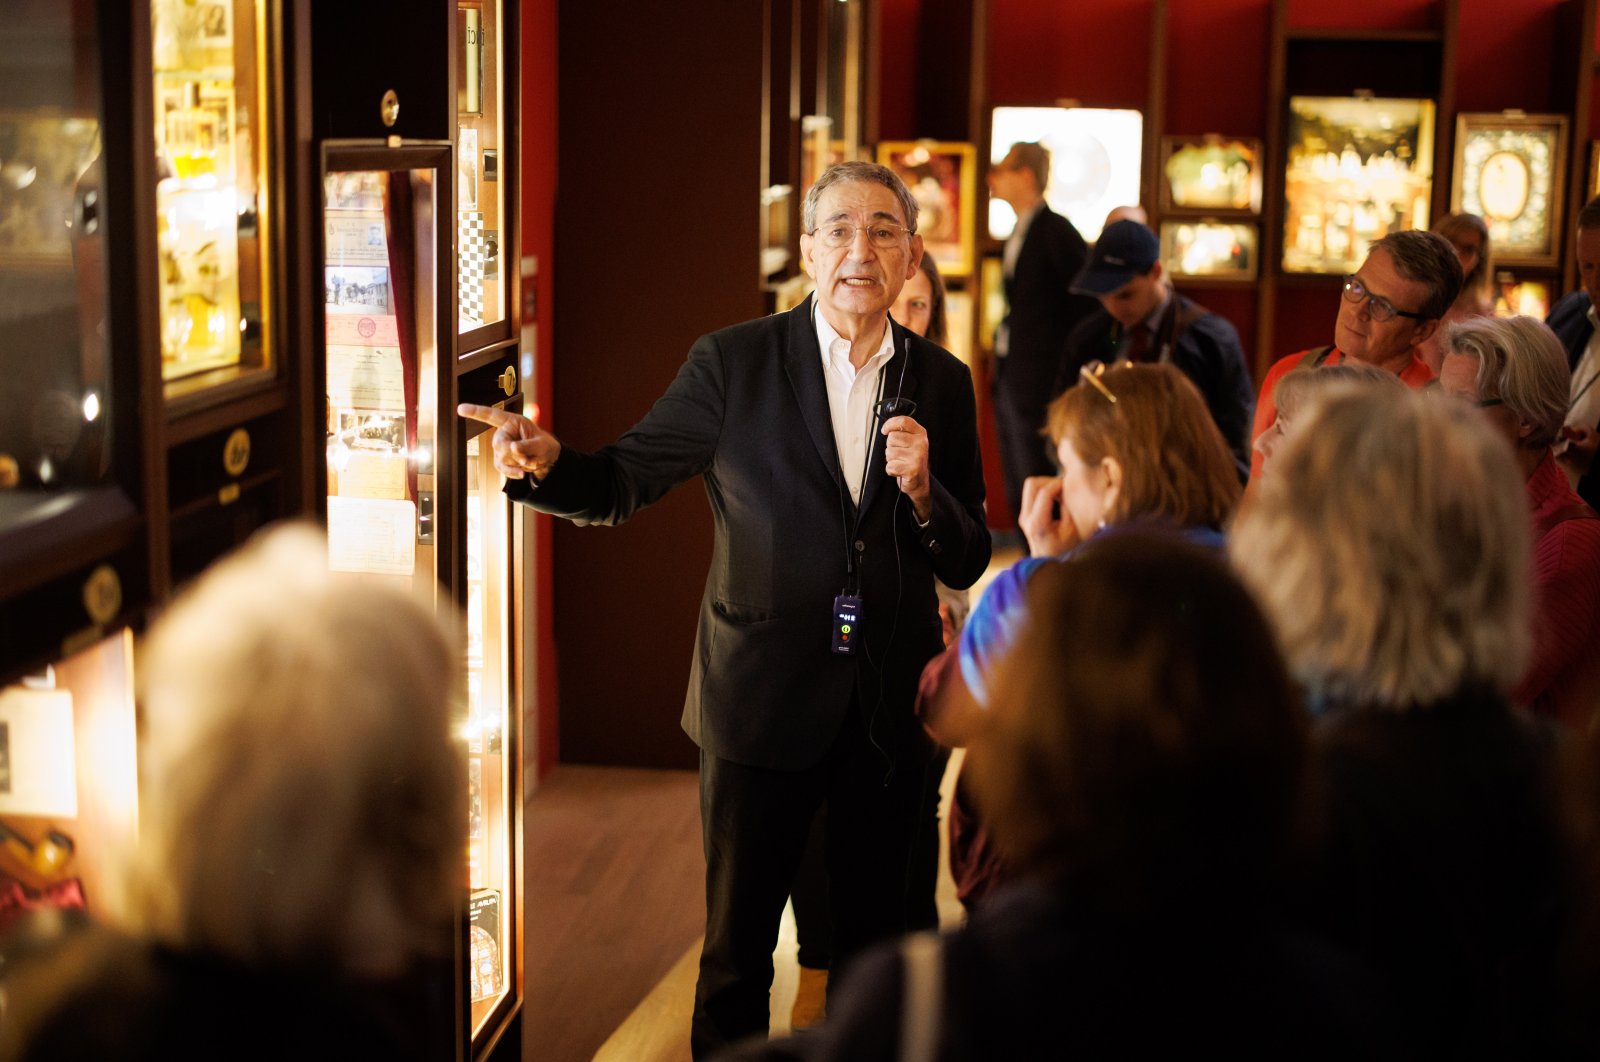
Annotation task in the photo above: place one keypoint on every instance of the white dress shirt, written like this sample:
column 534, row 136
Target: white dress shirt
column 852, row 393
column 1584, row 411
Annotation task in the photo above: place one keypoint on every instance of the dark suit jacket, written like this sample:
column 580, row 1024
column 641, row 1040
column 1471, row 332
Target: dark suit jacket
column 1203, row 346
column 1041, row 307
column 1569, row 320
column 749, row 412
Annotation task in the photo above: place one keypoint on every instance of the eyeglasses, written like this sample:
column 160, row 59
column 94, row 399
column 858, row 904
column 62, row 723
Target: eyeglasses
column 883, row 235
column 1379, row 308
column 1091, row 373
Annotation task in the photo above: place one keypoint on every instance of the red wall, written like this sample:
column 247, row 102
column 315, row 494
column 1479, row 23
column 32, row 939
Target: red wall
column 538, row 219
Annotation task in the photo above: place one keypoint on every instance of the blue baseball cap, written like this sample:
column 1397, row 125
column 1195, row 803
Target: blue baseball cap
column 1125, row 249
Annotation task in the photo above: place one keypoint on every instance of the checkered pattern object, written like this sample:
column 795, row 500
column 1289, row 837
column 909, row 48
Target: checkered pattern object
column 472, row 254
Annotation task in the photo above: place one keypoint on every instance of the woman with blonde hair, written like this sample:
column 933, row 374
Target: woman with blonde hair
column 1136, row 446
column 1390, row 549
column 302, row 823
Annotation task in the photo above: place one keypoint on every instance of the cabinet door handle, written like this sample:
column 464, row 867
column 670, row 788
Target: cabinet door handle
column 508, row 380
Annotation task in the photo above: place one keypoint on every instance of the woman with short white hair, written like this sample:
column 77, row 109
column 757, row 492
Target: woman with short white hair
column 1515, row 370
column 303, row 809
column 1390, row 548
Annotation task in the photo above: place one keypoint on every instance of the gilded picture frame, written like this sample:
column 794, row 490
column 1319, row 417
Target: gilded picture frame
column 1213, row 174
column 943, row 178
column 1219, row 251
column 1508, row 169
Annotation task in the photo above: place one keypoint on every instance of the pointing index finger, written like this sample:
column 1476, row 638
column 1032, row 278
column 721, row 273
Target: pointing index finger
column 498, row 418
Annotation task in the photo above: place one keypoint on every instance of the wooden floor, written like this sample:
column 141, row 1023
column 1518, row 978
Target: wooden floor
column 615, row 898
column 616, row 913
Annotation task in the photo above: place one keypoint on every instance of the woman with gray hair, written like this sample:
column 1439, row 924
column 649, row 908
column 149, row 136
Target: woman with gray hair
column 1390, row 548
column 1515, row 369
column 303, row 811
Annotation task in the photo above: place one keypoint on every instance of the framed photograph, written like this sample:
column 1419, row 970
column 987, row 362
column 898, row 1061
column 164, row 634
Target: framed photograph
column 1508, row 170
column 1095, row 155
column 1210, row 250
column 943, row 178
column 1213, row 174
column 1358, row 168
column 1516, row 294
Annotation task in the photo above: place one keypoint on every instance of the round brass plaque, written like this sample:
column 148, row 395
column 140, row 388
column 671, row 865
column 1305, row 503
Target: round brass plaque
column 236, row 452
column 102, row 594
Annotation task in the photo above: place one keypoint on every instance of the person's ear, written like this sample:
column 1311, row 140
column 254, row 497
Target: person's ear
column 914, row 263
column 1111, row 475
column 806, row 242
column 1524, row 429
column 1424, row 330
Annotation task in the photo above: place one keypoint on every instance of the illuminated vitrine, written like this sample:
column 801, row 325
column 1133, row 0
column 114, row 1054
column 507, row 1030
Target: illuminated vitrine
column 413, row 498
column 481, row 281
column 211, row 258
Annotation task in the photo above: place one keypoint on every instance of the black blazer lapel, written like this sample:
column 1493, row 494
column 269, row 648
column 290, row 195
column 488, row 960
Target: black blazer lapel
column 802, row 363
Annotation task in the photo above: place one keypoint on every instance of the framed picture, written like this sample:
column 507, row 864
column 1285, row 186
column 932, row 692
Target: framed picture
column 943, row 178
column 1594, row 170
column 1095, row 155
column 958, row 324
column 1358, row 168
column 1516, row 294
column 1214, row 174
column 1210, row 250
column 991, row 299
column 1507, row 171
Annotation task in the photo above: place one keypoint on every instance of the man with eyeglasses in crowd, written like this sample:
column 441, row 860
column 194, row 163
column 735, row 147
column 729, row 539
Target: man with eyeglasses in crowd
column 1389, row 307
column 840, row 456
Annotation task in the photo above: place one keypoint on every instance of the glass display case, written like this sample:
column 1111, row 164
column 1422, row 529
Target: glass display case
column 491, row 875
column 69, row 798
column 1095, row 160
column 211, row 203
column 380, row 278
column 480, row 201
column 1358, row 168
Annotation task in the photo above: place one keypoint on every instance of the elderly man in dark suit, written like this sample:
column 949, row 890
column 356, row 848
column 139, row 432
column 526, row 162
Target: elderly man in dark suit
column 1042, row 255
column 1573, row 320
column 840, row 455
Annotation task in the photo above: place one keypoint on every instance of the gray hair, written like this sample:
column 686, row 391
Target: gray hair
column 1390, row 546
column 1522, row 363
column 841, row 172
column 1303, row 383
column 305, row 798
column 1426, row 258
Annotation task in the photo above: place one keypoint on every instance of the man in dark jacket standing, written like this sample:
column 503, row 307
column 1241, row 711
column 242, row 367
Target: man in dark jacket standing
column 1043, row 254
column 839, row 453
column 1573, row 321
column 1142, row 319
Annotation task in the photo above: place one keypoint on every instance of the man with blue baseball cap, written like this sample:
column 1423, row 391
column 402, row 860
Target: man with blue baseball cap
column 1142, row 319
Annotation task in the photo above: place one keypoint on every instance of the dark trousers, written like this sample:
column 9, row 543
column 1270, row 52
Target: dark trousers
column 755, row 824
column 813, row 919
column 1024, row 451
